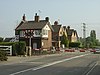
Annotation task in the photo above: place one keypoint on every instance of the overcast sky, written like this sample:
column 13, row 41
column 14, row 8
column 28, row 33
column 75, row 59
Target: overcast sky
column 68, row 12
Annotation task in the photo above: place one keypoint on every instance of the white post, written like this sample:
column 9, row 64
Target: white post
column 26, row 53
column 30, row 47
column 10, row 50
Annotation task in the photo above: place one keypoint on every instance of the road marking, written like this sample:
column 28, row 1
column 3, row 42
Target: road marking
column 57, row 62
column 47, row 65
column 92, row 68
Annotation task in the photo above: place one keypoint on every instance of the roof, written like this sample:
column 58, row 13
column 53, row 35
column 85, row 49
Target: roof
column 56, row 28
column 33, row 25
column 64, row 27
column 70, row 31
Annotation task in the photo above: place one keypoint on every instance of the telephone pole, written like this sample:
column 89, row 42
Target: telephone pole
column 84, row 35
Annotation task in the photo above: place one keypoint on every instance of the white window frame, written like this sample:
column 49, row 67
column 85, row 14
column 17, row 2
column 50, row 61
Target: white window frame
column 21, row 33
column 38, row 33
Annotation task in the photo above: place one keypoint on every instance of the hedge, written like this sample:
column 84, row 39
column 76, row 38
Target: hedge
column 18, row 48
column 74, row 44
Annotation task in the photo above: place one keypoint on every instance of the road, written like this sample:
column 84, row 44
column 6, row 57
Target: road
column 60, row 64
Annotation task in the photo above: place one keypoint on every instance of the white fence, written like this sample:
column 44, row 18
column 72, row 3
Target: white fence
column 7, row 49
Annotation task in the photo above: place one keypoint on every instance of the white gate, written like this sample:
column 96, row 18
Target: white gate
column 7, row 49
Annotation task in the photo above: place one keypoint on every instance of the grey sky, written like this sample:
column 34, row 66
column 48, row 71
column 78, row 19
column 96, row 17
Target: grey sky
column 68, row 12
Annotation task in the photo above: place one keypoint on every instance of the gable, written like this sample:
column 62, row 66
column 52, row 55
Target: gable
column 56, row 28
column 61, row 31
column 46, row 27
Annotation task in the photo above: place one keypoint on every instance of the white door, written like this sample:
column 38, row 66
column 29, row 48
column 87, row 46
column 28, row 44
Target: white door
column 34, row 45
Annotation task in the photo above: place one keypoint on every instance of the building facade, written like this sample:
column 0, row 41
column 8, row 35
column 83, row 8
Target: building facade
column 72, row 34
column 57, row 34
column 36, row 33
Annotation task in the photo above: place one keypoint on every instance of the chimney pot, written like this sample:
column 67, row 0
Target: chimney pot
column 36, row 18
column 47, row 19
column 68, row 27
column 56, row 23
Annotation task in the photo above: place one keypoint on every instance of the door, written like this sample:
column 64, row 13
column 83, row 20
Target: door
column 34, row 45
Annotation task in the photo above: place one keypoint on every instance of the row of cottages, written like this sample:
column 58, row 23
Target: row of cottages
column 58, row 33
column 72, row 34
column 41, row 34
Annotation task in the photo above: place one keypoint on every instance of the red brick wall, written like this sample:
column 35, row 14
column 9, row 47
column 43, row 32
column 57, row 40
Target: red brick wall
column 47, row 42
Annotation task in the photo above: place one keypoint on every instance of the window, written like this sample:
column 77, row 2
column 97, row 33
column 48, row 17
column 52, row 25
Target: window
column 37, row 32
column 45, row 32
column 21, row 33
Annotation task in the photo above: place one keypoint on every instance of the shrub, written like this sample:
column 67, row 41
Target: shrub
column 18, row 48
column 3, row 56
column 74, row 44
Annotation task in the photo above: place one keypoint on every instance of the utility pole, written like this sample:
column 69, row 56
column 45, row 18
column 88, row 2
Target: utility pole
column 84, row 35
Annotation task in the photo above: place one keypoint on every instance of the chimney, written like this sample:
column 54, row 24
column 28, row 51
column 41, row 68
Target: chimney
column 36, row 18
column 68, row 27
column 24, row 18
column 47, row 19
column 56, row 23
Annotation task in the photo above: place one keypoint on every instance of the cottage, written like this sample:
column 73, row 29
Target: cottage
column 36, row 33
column 57, row 34
column 72, row 34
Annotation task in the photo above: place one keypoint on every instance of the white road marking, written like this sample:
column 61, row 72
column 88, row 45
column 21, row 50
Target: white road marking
column 47, row 65
column 92, row 69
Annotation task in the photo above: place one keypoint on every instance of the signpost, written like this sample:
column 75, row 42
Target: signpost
column 29, row 34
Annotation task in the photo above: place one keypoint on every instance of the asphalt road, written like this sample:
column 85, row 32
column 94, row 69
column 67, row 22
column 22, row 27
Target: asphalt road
column 60, row 64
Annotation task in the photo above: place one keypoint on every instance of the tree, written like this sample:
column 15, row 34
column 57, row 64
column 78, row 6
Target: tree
column 97, row 42
column 1, row 39
column 91, row 41
column 65, row 41
column 93, row 37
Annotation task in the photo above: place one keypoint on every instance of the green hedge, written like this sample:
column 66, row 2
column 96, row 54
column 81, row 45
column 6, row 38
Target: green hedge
column 74, row 44
column 18, row 48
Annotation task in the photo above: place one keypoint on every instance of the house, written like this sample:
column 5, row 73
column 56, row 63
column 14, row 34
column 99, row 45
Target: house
column 64, row 30
column 57, row 34
column 36, row 33
column 72, row 34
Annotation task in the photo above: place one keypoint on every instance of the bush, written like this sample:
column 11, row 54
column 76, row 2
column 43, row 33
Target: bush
column 74, row 44
column 18, row 48
column 3, row 56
